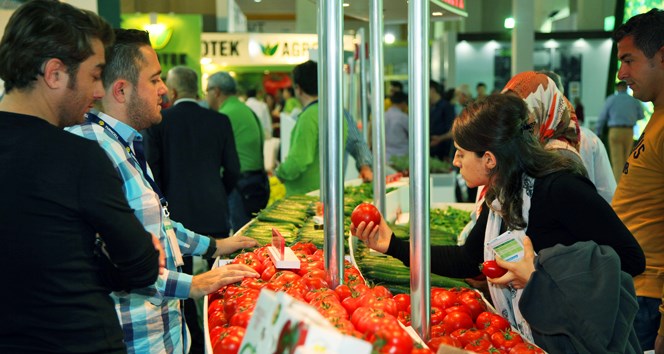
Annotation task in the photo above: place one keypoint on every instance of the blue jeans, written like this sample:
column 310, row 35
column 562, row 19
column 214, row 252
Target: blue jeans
column 646, row 322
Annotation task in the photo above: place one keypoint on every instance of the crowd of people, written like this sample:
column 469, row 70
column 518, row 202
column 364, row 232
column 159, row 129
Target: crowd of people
column 107, row 196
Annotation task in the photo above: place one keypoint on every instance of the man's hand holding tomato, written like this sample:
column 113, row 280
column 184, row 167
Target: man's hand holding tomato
column 376, row 237
column 518, row 273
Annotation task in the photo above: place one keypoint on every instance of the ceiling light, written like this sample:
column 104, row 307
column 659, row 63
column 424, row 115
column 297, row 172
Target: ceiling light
column 346, row 4
column 437, row 13
column 258, row 0
column 389, row 38
column 509, row 22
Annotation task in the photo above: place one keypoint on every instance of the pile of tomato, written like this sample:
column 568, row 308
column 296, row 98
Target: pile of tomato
column 458, row 316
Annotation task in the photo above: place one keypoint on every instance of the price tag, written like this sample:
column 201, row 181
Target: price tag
column 278, row 242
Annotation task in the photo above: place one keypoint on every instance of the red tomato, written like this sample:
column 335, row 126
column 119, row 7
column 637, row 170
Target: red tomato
column 343, row 291
column 305, row 247
column 491, row 322
column 441, row 330
column 525, row 348
column 465, row 336
column 216, row 305
column 314, row 282
column 250, row 259
column 331, row 310
column 217, row 319
column 462, row 308
column 421, row 351
column 365, row 212
column 492, row 270
column 393, row 339
column 351, row 303
column 215, row 333
column 366, row 319
column 403, row 301
column 476, row 305
column 268, row 273
column 444, row 299
column 437, row 315
column 242, row 316
column 254, row 283
column 458, row 319
column 404, row 318
column 479, row 345
column 229, row 341
column 435, row 343
column 381, row 291
column 505, row 340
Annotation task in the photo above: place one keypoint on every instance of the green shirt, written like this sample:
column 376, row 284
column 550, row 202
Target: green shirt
column 247, row 132
column 300, row 172
column 291, row 104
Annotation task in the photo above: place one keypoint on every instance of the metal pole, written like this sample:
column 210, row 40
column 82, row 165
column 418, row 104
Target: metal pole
column 330, row 122
column 378, row 114
column 418, row 108
column 363, row 84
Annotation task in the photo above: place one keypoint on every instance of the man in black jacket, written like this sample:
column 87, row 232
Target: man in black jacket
column 194, row 161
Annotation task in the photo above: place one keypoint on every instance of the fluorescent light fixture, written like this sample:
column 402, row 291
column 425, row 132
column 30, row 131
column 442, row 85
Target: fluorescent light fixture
column 346, row 4
column 551, row 43
column 509, row 22
column 437, row 13
column 389, row 38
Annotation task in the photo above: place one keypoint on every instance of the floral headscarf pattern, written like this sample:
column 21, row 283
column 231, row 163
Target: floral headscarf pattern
column 551, row 114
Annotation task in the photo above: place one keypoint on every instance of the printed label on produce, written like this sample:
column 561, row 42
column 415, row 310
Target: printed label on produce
column 509, row 246
column 278, row 242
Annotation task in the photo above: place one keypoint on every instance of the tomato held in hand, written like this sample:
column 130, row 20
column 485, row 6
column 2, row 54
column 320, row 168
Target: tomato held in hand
column 365, row 212
column 492, row 270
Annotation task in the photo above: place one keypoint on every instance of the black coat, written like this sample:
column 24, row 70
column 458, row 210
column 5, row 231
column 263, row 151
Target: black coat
column 193, row 158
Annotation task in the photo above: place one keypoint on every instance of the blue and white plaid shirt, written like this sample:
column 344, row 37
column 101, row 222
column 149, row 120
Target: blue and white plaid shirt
column 151, row 317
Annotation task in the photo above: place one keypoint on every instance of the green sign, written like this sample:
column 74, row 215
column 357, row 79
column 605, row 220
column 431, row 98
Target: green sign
column 175, row 38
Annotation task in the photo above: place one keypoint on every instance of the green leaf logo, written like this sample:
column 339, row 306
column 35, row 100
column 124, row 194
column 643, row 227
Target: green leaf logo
column 160, row 39
column 269, row 50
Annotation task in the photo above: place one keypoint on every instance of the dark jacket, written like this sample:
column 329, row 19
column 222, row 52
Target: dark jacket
column 579, row 301
column 194, row 161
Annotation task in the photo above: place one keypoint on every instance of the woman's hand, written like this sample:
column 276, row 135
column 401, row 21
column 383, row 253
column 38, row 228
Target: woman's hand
column 518, row 273
column 376, row 237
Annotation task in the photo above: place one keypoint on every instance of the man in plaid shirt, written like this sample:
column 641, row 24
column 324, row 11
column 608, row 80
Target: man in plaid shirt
column 151, row 317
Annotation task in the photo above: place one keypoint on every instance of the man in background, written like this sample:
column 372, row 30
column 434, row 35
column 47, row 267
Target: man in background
column 59, row 191
column 639, row 198
column 151, row 317
column 620, row 113
column 396, row 127
column 300, row 171
column 193, row 159
column 253, row 188
column 441, row 117
column 262, row 112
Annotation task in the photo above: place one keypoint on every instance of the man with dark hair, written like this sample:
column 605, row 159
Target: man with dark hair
column 59, row 191
column 253, row 188
column 639, row 199
column 151, row 317
column 300, row 171
column 441, row 118
column 186, row 153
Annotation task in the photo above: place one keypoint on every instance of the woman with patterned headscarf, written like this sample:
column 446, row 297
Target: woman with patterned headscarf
column 551, row 114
